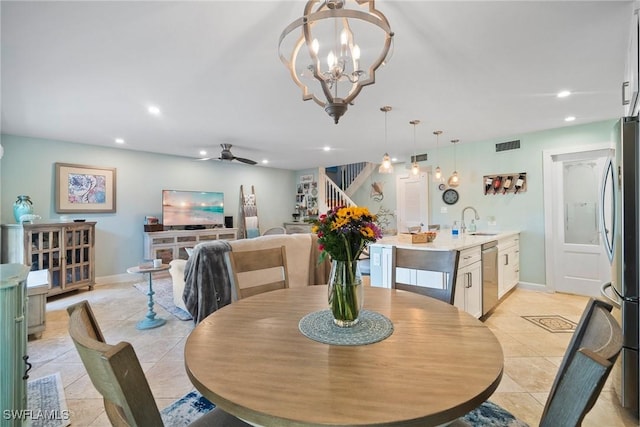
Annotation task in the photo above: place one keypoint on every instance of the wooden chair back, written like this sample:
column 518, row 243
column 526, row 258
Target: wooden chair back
column 445, row 262
column 593, row 350
column 255, row 260
column 114, row 370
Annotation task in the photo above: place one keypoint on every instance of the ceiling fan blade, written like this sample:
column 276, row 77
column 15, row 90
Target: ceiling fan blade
column 247, row 161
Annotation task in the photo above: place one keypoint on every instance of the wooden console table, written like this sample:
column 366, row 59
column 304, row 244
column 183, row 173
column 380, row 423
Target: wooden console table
column 171, row 244
column 66, row 249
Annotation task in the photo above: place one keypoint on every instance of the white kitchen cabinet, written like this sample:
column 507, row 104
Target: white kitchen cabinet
column 380, row 265
column 468, row 296
column 508, row 264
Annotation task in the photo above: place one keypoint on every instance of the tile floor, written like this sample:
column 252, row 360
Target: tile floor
column 532, row 355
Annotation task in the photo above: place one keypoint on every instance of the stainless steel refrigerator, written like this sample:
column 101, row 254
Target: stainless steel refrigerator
column 621, row 237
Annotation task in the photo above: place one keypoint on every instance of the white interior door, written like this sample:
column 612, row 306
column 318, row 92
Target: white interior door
column 413, row 201
column 580, row 261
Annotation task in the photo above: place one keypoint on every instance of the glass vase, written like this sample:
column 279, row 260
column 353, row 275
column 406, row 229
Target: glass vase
column 22, row 206
column 346, row 294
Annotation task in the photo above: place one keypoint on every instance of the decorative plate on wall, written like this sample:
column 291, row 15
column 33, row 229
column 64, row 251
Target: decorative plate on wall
column 450, row 196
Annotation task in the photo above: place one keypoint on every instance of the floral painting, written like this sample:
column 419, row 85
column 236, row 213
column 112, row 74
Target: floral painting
column 85, row 189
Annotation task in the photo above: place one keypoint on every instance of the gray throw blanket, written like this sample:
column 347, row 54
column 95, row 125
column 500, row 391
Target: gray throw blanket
column 207, row 286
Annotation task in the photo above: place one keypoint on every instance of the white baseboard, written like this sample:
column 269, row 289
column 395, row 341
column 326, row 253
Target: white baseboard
column 116, row 278
column 538, row 287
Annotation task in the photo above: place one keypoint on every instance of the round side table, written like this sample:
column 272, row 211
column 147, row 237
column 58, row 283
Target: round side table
column 150, row 321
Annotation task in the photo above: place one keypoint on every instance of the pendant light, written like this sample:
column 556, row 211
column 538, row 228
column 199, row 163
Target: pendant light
column 437, row 176
column 415, row 169
column 385, row 166
column 454, row 180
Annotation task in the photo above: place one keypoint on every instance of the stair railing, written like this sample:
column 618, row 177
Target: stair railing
column 330, row 195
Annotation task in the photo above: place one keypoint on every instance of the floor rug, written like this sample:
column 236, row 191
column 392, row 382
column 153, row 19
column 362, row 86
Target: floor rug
column 163, row 295
column 185, row 410
column 552, row 323
column 46, row 402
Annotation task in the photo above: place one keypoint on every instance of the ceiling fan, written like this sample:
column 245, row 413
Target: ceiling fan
column 226, row 154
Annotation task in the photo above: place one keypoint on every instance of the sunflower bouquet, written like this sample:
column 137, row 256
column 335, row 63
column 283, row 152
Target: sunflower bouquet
column 343, row 233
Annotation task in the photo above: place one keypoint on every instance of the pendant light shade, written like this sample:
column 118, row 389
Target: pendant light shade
column 437, row 176
column 385, row 166
column 415, row 169
column 454, row 180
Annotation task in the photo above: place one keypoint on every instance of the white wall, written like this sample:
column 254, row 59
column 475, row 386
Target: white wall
column 28, row 168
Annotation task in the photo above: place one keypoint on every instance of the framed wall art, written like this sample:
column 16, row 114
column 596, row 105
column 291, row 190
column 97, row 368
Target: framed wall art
column 85, row 189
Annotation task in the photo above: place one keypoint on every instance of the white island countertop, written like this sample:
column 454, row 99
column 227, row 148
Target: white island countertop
column 445, row 241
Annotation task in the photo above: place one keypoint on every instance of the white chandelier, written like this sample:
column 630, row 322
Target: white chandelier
column 329, row 32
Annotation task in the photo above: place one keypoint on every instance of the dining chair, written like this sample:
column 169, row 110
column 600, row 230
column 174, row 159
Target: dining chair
column 253, row 266
column 592, row 351
column 275, row 230
column 445, row 262
column 116, row 373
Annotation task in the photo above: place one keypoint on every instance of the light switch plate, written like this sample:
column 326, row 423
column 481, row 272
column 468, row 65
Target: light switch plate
column 443, row 209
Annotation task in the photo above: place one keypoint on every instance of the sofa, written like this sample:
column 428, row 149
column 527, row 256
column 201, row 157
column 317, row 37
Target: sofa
column 302, row 262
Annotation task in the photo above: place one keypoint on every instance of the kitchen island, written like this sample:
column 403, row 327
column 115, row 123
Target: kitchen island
column 468, row 294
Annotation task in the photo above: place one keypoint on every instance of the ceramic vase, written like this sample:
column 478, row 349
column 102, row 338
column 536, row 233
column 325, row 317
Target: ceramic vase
column 22, row 206
column 346, row 294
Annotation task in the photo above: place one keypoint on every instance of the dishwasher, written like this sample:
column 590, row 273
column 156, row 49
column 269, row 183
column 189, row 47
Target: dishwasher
column 489, row 276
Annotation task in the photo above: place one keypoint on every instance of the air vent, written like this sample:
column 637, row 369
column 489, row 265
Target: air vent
column 419, row 158
column 511, row 145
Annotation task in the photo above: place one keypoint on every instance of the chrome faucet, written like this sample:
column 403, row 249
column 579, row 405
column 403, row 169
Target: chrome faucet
column 463, row 227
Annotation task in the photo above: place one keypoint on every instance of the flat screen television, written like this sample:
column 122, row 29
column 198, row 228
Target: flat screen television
column 192, row 208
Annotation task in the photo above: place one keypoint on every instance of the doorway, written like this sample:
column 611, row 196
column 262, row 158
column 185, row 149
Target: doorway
column 412, row 201
column 576, row 261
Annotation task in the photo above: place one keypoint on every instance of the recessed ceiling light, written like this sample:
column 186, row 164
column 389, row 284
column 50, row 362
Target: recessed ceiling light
column 327, row 148
column 203, row 153
column 563, row 94
column 569, row 119
column 265, row 161
column 394, row 159
column 153, row 110
column 119, row 141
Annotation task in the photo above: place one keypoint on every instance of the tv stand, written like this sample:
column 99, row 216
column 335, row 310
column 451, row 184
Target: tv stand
column 194, row 227
column 171, row 244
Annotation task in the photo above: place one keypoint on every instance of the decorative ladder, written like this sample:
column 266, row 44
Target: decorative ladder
column 248, row 210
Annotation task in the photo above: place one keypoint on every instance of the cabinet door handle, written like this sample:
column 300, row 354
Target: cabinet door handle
column 506, row 259
column 625, row 101
column 29, row 366
column 469, row 280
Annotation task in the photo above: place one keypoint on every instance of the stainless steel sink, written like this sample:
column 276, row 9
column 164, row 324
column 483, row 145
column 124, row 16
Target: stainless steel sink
column 482, row 233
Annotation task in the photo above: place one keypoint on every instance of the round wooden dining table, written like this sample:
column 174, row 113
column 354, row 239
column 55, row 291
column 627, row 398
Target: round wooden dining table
column 251, row 360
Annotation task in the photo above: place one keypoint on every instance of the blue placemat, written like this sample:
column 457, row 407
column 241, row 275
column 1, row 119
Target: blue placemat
column 372, row 327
